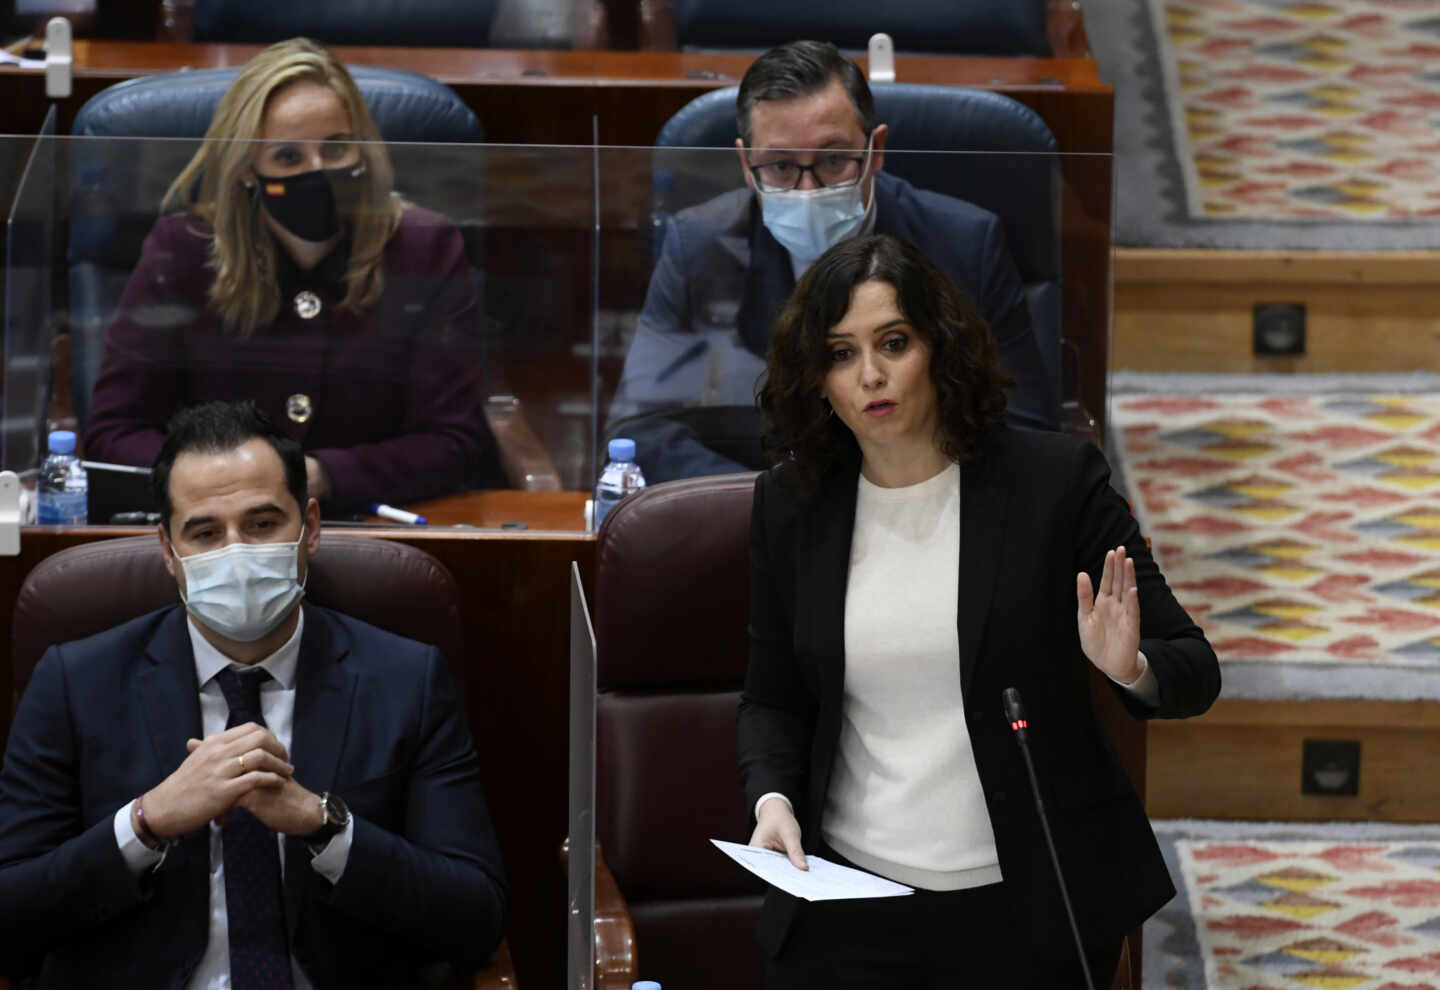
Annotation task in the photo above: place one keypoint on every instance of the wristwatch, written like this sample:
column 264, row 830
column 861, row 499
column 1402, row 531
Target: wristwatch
column 336, row 818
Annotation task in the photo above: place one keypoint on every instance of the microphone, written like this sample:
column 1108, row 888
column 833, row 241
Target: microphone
column 1020, row 725
column 1015, row 713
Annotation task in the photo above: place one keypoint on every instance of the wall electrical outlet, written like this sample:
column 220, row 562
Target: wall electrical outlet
column 1279, row 329
column 1330, row 767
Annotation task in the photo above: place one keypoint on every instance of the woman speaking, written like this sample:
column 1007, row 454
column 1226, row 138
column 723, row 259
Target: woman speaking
column 287, row 271
column 912, row 557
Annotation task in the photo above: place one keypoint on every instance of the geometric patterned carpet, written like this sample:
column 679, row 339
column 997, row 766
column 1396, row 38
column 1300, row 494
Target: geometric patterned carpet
column 1303, row 528
column 1357, row 915
column 1304, row 109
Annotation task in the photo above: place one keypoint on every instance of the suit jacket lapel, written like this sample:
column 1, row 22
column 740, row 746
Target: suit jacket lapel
column 324, row 690
column 824, row 575
column 768, row 283
column 324, row 694
column 168, row 694
column 983, row 508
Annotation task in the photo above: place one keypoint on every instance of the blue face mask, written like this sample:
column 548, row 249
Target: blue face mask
column 244, row 590
column 808, row 222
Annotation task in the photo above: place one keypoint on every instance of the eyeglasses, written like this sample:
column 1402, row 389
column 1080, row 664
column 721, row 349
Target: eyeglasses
column 831, row 170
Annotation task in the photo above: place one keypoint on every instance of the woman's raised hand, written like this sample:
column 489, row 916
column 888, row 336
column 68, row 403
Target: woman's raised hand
column 777, row 829
column 1109, row 618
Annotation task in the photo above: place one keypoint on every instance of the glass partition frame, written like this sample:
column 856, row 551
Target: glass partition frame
column 563, row 244
column 30, row 237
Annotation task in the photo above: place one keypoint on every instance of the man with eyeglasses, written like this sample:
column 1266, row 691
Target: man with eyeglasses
column 728, row 265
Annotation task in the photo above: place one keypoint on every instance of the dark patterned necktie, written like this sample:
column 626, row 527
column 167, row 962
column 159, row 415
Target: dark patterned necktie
column 254, row 898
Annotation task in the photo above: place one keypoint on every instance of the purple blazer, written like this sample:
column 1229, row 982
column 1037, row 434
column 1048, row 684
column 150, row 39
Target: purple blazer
column 395, row 394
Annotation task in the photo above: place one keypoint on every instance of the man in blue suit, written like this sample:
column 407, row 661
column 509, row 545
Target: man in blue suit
column 243, row 791
column 728, row 266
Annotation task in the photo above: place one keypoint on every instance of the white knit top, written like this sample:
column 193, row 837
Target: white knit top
column 905, row 798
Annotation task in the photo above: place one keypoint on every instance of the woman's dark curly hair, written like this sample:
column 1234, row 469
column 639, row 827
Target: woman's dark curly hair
column 969, row 385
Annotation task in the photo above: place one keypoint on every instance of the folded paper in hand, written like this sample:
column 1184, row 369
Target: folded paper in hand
column 824, row 881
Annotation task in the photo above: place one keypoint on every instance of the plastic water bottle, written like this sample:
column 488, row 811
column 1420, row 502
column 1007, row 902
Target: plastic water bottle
column 62, row 487
column 620, row 477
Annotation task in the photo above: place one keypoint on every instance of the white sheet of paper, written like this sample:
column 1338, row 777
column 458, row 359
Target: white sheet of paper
column 824, row 881
column 8, row 58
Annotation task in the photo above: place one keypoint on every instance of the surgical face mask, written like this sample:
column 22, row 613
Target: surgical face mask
column 311, row 204
column 244, row 590
column 810, row 221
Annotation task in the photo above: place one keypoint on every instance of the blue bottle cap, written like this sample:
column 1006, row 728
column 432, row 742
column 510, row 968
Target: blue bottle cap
column 622, row 449
column 644, row 985
column 63, row 442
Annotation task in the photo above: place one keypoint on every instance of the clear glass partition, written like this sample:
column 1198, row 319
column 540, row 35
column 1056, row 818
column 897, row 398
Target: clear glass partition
column 29, row 313
column 421, row 320
column 487, row 327
column 695, row 268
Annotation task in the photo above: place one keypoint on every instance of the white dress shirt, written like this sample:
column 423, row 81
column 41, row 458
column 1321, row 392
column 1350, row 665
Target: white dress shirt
column 277, row 704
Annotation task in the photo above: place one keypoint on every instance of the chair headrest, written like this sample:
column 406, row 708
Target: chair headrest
column 672, row 585
column 87, row 589
column 921, row 117
column 406, row 106
column 987, row 27
column 116, row 186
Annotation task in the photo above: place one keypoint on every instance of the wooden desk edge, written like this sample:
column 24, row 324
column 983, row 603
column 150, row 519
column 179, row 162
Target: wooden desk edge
column 468, row 66
column 421, row 533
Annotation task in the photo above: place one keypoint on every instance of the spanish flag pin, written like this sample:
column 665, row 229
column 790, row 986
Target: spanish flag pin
column 274, row 189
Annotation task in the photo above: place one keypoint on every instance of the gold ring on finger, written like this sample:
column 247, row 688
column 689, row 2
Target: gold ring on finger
column 241, row 758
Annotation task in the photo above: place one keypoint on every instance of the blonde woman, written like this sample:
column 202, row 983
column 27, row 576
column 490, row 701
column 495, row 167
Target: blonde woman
column 286, row 270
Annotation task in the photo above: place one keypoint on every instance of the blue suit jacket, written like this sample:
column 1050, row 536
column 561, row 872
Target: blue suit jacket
column 722, row 279
column 377, row 721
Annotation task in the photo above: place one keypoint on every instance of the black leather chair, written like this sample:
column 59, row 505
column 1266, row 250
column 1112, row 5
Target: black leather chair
column 954, row 27
column 1021, row 186
column 418, row 23
column 672, row 586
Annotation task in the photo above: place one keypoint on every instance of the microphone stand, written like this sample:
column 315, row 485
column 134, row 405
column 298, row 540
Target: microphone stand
column 1015, row 715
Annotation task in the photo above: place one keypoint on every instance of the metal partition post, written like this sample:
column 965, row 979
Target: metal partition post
column 580, row 937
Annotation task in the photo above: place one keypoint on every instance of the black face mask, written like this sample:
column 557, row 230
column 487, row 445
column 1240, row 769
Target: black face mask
column 311, row 204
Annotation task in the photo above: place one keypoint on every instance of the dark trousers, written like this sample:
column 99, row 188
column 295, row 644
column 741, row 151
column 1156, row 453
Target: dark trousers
column 928, row 940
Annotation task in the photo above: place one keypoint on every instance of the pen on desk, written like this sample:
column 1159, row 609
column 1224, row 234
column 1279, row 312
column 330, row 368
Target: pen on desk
column 397, row 515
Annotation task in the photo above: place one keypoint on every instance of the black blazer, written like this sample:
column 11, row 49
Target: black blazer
column 377, row 721
column 1035, row 508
